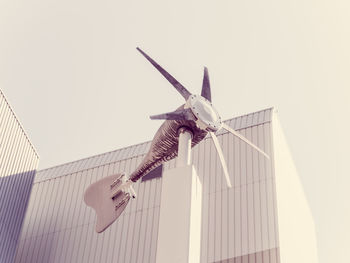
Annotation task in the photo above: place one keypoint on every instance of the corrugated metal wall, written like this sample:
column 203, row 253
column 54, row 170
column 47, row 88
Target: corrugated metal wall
column 18, row 163
column 238, row 224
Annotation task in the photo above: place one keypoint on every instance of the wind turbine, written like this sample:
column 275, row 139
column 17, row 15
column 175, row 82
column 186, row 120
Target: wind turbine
column 110, row 195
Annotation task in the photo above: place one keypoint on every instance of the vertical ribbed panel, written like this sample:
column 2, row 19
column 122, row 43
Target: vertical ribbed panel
column 238, row 224
column 60, row 227
column 18, row 163
column 242, row 220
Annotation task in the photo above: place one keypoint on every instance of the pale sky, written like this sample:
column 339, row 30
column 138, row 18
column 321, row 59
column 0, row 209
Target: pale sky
column 72, row 74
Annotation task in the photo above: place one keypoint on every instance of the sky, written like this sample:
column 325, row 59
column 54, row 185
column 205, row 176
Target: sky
column 72, row 74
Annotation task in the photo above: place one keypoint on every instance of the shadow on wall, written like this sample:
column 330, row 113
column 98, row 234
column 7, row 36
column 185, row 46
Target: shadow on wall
column 14, row 196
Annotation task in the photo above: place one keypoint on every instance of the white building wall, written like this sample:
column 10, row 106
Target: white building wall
column 296, row 226
column 18, row 163
column 238, row 224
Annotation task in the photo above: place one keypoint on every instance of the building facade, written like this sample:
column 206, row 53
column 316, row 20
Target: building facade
column 18, row 164
column 250, row 222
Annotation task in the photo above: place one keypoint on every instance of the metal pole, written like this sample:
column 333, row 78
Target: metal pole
column 184, row 150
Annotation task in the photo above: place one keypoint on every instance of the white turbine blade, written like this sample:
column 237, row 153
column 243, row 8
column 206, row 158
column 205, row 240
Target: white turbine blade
column 228, row 128
column 222, row 159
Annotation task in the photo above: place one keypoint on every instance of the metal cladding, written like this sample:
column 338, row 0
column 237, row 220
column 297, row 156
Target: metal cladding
column 239, row 224
column 18, row 164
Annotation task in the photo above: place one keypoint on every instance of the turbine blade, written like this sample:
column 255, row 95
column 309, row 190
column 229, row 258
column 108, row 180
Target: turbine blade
column 181, row 89
column 206, row 93
column 228, row 128
column 183, row 114
column 222, row 159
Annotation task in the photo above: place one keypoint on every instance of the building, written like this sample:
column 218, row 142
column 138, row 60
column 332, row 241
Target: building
column 18, row 164
column 264, row 217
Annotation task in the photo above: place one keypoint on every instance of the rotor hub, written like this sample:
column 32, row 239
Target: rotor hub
column 207, row 116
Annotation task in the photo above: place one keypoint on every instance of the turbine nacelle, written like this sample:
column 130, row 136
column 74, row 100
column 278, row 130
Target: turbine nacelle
column 206, row 116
